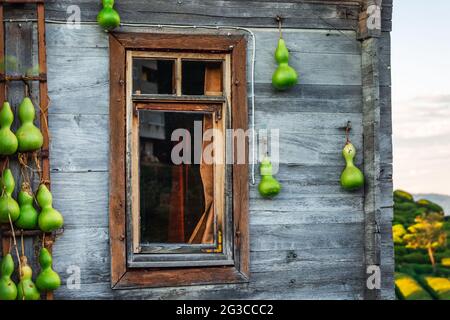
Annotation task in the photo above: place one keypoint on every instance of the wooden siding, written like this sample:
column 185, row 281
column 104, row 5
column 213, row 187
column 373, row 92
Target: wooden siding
column 315, row 238
column 299, row 14
column 307, row 243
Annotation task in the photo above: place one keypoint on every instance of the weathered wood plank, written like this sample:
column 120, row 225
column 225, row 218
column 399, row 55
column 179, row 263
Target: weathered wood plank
column 79, row 142
column 88, row 249
column 82, row 198
column 371, row 123
column 213, row 12
column 349, row 289
column 309, row 195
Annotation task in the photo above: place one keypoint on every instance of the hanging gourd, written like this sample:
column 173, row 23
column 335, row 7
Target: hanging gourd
column 48, row 279
column 352, row 178
column 26, row 289
column 269, row 187
column 8, row 289
column 9, row 209
column 28, row 135
column 108, row 18
column 8, row 140
column 28, row 217
column 284, row 76
column 49, row 219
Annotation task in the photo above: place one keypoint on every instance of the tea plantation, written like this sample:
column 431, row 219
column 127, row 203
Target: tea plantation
column 415, row 278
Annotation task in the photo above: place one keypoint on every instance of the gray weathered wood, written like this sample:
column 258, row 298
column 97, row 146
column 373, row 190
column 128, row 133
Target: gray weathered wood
column 371, row 123
column 306, row 243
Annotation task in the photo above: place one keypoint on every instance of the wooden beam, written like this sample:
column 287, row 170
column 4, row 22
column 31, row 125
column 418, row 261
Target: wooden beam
column 43, row 90
column 369, row 24
column 372, row 172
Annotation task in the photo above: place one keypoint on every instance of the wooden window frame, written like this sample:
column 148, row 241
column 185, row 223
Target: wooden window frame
column 122, row 276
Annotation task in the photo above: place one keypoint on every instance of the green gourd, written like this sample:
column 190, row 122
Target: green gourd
column 47, row 280
column 8, row 289
column 26, row 289
column 49, row 218
column 28, row 135
column 352, row 178
column 8, row 206
column 8, row 140
column 284, row 76
column 269, row 187
column 28, row 217
column 108, row 18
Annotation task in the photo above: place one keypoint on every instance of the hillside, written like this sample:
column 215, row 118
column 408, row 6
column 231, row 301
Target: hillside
column 442, row 199
column 415, row 278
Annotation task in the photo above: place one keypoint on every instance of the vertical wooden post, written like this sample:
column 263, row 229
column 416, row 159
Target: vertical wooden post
column 2, row 57
column 371, row 136
column 3, row 62
column 43, row 92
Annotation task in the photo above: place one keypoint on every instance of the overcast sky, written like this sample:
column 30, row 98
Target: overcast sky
column 421, row 95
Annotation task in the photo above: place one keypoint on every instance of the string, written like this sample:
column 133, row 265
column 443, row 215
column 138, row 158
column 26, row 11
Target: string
column 38, row 166
column 279, row 27
column 22, row 243
column 15, row 244
column 5, row 164
column 347, row 134
column 47, row 130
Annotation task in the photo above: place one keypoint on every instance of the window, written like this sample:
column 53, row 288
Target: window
column 178, row 212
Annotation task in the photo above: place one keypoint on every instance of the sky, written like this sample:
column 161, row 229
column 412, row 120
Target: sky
column 421, row 95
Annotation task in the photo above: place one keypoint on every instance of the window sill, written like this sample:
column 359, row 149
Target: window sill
column 148, row 278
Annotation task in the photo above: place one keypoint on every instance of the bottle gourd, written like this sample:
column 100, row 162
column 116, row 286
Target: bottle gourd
column 108, row 18
column 352, row 178
column 48, row 279
column 268, row 187
column 8, row 289
column 28, row 135
column 8, row 140
column 8, row 206
column 49, row 219
column 28, row 217
column 26, row 289
column 284, row 76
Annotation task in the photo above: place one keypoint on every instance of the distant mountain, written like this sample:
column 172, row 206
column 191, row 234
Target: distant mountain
column 441, row 199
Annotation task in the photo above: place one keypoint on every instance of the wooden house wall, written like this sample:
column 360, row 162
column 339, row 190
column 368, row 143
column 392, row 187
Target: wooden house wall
column 308, row 243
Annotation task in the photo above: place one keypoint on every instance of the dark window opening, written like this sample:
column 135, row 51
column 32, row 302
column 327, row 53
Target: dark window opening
column 196, row 73
column 172, row 196
column 151, row 76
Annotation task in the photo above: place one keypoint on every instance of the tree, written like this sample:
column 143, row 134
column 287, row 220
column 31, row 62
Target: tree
column 398, row 231
column 427, row 233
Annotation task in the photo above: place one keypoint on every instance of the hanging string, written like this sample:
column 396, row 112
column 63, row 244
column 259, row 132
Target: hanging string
column 15, row 243
column 22, row 243
column 5, row 164
column 47, row 130
column 23, row 161
column 279, row 26
column 347, row 134
column 43, row 240
column 38, row 167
